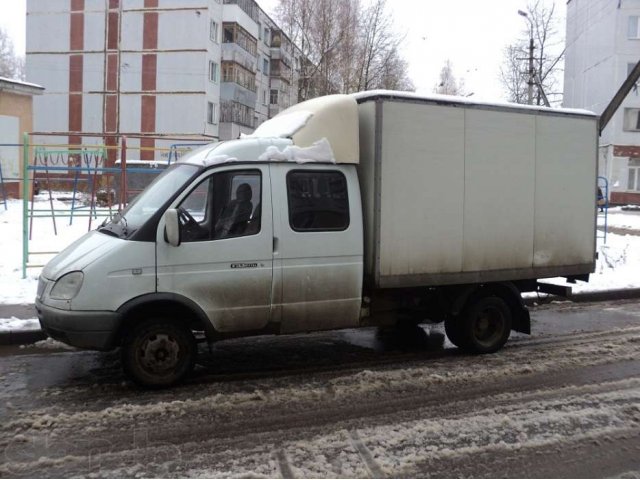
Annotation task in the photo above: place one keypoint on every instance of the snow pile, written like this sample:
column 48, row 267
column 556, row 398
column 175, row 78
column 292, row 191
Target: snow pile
column 49, row 344
column 319, row 151
column 17, row 324
column 282, row 126
column 617, row 266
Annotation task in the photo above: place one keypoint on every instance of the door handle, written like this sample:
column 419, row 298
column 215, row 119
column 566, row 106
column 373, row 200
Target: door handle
column 275, row 245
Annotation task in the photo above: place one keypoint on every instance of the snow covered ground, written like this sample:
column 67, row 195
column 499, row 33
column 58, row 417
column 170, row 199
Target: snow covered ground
column 618, row 265
column 13, row 288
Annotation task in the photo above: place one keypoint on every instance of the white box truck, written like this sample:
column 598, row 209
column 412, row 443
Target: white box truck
column 343, row 211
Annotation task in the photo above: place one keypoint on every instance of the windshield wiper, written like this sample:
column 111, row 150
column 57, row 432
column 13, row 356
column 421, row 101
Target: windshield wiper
column 119, row 220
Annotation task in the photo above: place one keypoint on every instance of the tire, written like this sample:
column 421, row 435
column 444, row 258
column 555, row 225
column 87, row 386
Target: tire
column 485, row 325
column 158, row 353
column 452, row 328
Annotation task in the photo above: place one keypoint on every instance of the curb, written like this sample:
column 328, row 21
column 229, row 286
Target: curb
column 585, row 297
column 21, row 337
column 31, row 336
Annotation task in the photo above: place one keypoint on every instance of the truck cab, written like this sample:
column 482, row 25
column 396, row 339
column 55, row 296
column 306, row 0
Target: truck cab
column 245, row 237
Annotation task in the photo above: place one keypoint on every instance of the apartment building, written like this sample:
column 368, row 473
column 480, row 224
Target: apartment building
column 602, row 46
column 258, row 78
column 190, row 70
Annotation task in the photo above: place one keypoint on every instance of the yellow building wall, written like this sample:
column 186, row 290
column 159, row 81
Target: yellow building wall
column 21, row 106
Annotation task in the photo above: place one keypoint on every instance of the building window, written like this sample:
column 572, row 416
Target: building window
column 211, row 113
column 265, row 66
column 213, row 71
column 265, row 36
column 213, row 31
column 318, row 201
column 631, row 120
column 259, row 31
column 273, row 98
column 634, row 27
column 634, row 175
column 276, row 39
column 264, row 97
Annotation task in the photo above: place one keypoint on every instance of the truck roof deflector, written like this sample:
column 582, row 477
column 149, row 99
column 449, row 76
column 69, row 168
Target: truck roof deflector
column 333, row 119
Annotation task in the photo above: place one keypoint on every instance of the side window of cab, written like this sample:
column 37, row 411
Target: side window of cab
column 224, row 205
column 318, row 201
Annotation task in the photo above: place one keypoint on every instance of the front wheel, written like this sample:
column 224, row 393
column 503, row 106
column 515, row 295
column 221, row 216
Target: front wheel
column 486, row 325
column 158, row 353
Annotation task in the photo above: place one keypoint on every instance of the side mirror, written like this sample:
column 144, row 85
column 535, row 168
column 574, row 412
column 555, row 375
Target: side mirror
column 172, row 227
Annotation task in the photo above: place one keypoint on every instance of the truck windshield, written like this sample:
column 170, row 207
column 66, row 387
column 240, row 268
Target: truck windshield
column 148, row 202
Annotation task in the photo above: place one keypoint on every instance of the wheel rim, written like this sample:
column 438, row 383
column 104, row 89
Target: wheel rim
column 159, row 353
column 489, row 326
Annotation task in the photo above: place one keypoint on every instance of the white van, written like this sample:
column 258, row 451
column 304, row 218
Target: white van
column 340, row 212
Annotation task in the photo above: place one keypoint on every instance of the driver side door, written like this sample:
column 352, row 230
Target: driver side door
column 224, row 262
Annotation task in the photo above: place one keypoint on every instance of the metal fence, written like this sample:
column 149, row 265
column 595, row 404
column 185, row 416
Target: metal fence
column 94, row 184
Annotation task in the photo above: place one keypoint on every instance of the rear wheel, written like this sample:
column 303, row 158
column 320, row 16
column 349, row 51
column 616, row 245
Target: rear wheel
column 485, row 325
column 158, row 353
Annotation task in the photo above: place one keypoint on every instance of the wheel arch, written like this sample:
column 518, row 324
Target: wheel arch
column 166, row 304
column 507, row 291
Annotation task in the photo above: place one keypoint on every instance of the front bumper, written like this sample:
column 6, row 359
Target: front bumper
column 93, row 330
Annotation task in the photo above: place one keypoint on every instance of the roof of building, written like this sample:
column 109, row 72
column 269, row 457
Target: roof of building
column 18, row 86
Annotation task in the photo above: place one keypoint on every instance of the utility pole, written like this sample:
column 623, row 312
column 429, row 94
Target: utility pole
column 619, row 97
column 532, row 72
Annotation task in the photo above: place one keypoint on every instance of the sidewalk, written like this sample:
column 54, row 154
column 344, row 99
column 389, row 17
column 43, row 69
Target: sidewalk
column 17, row 337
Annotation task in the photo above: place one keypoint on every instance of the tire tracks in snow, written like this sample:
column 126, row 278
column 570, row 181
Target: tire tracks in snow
column 284, row 414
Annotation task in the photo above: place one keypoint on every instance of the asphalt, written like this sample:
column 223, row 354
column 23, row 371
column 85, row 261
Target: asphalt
column 26, row 311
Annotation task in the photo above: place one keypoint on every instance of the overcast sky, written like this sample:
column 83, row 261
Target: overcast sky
column 471, row 33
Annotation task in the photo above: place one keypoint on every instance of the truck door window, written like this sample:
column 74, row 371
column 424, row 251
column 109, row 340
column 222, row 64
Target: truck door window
column 225, row 205
column 318, row 201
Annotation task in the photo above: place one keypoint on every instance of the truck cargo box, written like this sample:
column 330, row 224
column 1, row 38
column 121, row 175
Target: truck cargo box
column 459, row 192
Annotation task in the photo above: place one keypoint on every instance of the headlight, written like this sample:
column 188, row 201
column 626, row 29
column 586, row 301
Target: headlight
column 42, row 285
column 67, row 286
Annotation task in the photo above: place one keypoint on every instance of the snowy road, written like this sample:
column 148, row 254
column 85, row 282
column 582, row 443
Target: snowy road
column 367, row 403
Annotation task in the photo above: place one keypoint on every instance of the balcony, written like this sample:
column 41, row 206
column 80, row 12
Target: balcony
column 232, row 33
column 250, row 7
column 234, row 112
column 280, row 70
column 235, row 73
column 233, row 53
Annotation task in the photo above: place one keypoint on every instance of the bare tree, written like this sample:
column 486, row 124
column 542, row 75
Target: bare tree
column 318, row 28
column 346, row 47
column 548, row 55
column 448, row 83
column 394, row 75
column 11, row 65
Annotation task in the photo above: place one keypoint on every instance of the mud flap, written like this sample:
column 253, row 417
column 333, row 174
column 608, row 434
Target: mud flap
column 522, row 321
